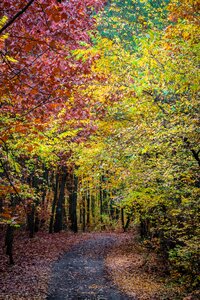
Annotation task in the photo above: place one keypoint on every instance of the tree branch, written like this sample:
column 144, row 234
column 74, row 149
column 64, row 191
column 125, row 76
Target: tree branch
column 10, row 181
column 156, row 99
column 16, row 16
column 194, row 153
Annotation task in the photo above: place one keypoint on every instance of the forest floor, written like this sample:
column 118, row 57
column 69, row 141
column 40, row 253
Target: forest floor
column 107, row 265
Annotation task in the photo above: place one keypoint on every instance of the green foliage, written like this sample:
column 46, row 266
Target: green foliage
column 125, row 21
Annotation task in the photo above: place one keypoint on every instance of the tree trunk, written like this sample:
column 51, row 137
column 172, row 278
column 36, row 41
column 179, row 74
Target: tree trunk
column 1, row 204
column 122, row 217
column 101, row 200
column 31, row 220
column 9, row 243
column 117, row 213
column 88, row 206
column 112, row 210
column 93, row 207
column 127, row 223
column 72, row 189
column 58, row 224
column 37, row 222
column 45, row 183
column 143, row 227
column 54, row 204
column 83, row 211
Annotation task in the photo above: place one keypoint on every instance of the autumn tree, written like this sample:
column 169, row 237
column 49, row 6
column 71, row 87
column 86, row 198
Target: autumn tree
column 39, row 74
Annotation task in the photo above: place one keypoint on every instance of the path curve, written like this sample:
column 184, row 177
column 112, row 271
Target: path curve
column 80, row 274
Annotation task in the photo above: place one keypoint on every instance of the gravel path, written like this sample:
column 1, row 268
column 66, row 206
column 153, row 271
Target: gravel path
column 80, row 274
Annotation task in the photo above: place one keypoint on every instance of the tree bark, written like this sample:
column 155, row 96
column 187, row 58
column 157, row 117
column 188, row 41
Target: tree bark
column 9, row 243
column 58, row 224
column 31, row 220
column 72, row 189
column 122, row 217
column 127, row 223
column 83, row 212
column 54, row 203
column 88, row 206
column 93, row 207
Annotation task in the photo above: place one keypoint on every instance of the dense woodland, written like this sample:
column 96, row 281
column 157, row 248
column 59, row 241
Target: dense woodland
column 99, row 122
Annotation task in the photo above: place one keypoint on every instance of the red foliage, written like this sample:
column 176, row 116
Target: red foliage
column 40, row 39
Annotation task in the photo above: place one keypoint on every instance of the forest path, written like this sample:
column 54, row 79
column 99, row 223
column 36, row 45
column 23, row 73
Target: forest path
column 80, row 273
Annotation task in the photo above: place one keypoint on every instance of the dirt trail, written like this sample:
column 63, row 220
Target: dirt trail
column 80, row 274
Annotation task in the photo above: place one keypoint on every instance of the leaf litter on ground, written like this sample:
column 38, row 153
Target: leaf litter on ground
column 28, row 277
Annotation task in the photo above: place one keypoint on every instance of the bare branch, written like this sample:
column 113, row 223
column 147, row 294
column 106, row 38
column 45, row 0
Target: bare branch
column 10, row 22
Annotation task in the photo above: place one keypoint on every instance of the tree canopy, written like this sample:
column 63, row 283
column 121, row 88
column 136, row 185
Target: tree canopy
column 100, row 119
